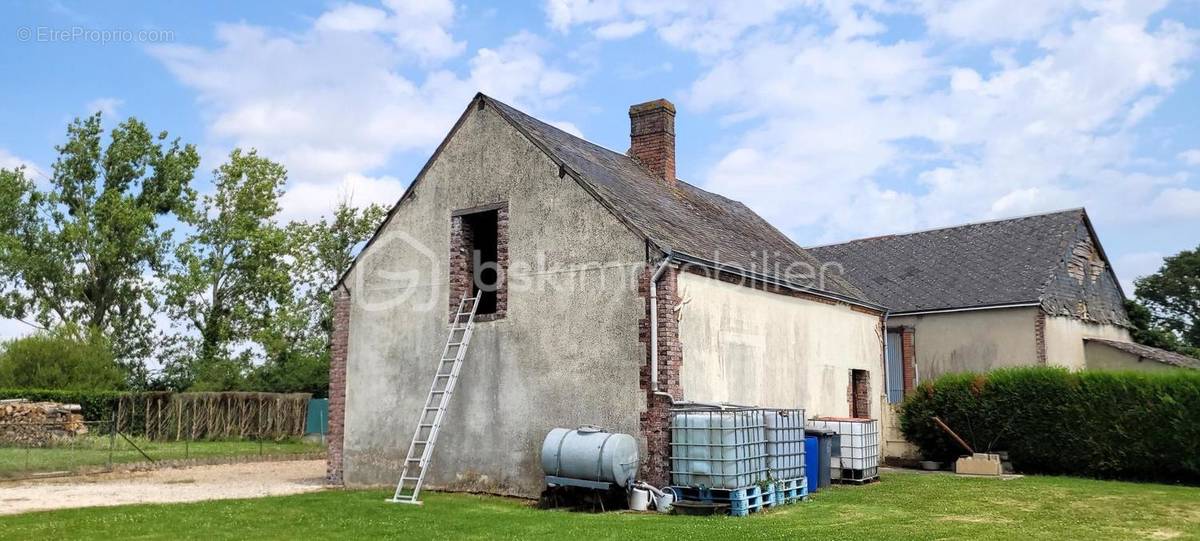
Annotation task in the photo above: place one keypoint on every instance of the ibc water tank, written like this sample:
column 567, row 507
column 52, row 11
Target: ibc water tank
column 590, row 454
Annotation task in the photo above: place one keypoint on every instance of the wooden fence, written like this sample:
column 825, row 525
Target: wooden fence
column 198, row 416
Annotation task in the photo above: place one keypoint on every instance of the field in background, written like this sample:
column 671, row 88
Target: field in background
column 903, row 506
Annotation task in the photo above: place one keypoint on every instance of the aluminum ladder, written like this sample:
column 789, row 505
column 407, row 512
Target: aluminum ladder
column 429, row 423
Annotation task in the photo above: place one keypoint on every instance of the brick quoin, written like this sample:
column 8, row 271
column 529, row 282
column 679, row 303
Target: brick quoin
column 656, row 420
column 338, row 342
column 1039, row 335
column 460, row 264
column 908, row 357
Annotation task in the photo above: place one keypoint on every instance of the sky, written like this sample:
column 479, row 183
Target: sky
column 833, row 119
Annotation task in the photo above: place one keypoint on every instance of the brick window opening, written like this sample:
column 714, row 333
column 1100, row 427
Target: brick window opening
column 480, row 228
column 860, row 394
column 478, row 260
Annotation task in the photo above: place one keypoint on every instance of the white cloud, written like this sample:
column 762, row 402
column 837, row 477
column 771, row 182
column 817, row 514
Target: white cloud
column 107, row 106
column 1132, row 266
column 8, row 160
column 995, row 20
column 1191, row 157
column 336, row 102
column 1177, row 204
column 420, row 27
column 847, row 116
column 620, row 30
column 705, row 26
column 308, row 199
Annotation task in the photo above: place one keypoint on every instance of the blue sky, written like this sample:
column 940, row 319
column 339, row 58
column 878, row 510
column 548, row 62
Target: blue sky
column 835, row 120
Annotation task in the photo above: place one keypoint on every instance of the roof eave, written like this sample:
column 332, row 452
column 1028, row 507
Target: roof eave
column 734, row 269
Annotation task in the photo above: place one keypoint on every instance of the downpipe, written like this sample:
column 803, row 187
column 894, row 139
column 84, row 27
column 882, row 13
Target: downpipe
column 658, row 272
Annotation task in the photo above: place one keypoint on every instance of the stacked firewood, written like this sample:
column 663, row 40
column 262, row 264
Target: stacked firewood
column 39, row 423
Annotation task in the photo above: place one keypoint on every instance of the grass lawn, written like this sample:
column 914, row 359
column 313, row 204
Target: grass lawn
column 93, row 452
column 903, row 506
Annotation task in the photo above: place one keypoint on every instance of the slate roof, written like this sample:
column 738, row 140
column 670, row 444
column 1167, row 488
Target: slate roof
column 969, row 266
column 1147, row 352
column 681, row 218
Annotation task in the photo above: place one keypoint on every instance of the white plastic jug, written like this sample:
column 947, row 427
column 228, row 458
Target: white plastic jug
column 639, row 499
column 664, row 501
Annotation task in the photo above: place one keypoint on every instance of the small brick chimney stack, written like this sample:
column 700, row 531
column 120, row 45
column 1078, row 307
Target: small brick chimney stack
column 652, row 137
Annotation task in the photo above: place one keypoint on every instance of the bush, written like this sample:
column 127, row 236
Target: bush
column 97, row 405
column 61, row 359
column 1099, row 424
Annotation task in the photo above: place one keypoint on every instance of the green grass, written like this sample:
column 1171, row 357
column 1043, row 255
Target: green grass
column 92, row 452
column 903, row 506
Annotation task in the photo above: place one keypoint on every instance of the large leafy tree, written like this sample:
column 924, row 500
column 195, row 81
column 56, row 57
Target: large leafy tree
column 83, row 249
column 1172, row 298
column 231, row 276
column 296, row 342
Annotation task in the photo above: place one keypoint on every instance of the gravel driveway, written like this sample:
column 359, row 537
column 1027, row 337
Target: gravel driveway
column 245, row 480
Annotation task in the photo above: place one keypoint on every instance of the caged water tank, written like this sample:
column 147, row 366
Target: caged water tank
column 718, row 447
column 589, row 456
column 784, row 431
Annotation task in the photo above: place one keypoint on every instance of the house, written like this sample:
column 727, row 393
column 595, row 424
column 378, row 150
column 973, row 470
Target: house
column 1022, row 291
column 1033, row 290
column 610, row 291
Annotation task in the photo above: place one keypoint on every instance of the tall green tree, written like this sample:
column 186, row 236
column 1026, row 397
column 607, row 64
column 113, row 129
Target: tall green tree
column 296, row 343
column 232, row 273
column 83, row 249
column 1172, row 297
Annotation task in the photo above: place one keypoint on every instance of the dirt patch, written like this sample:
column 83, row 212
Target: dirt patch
column 246, row 480
column 1163, row 533
column 974, row 519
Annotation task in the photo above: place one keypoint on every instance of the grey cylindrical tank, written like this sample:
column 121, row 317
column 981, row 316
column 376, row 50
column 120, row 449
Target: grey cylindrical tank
column 590, row 453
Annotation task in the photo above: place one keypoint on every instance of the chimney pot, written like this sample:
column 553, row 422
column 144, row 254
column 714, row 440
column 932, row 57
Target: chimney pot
column 652, row 137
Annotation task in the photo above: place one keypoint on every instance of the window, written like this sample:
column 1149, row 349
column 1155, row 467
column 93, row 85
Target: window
column 478, row 256
column 895, row 367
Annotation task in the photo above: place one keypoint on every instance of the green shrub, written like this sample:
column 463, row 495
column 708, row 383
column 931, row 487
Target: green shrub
column 97, row 405
column 1090, row 423
column 65, row 358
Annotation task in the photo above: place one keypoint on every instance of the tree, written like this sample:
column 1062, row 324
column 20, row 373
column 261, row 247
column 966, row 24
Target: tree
column 231, row 273
column 68, row 358
column 1172, row 299
column 82, row 250
column 297, row 341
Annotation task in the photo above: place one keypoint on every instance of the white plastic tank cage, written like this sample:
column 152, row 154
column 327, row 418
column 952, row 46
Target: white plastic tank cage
column 784, row 431
column 855, row 448
column 718, row 447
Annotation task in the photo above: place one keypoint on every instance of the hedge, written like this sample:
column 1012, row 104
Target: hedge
column 1052, row 421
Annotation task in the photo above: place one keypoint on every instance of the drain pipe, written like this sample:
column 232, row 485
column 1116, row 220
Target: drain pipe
column 662, row 267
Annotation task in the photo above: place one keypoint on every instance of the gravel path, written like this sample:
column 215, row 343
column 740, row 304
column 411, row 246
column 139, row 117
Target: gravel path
column 245, row 480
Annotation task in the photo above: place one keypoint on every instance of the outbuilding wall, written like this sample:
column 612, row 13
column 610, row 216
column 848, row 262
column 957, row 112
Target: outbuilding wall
column 566, row 353
column 972, row 341
column 1102, row 357
column 748, row 346
column 1064, row 340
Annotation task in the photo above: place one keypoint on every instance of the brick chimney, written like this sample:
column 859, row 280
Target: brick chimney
column 652, row 137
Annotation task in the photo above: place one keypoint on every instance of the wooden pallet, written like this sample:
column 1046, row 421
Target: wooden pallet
column 740, row 501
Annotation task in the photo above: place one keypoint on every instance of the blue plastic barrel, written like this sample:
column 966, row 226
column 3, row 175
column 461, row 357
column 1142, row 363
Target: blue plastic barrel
column 812, row 461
